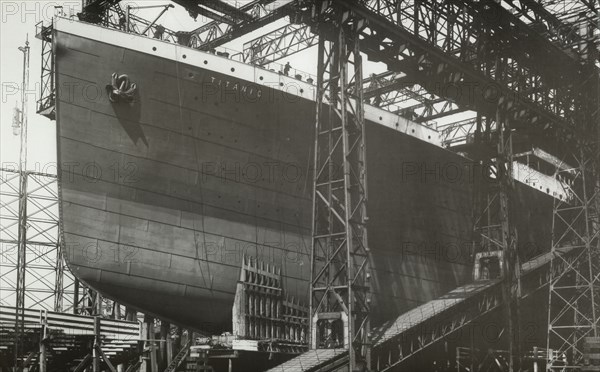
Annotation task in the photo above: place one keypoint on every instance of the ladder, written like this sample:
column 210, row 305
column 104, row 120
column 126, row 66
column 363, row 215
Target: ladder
column 179, row 358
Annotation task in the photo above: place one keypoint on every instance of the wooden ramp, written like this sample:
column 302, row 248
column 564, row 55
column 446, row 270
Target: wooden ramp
column 313, row 360
column 423, row 326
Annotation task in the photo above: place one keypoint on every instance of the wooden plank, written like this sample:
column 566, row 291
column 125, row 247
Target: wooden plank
column 87, row 360
column 135, row 367
column 106, row 359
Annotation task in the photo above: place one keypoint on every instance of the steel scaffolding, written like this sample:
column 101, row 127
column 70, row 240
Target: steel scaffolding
column 494, row 222
column 46, row 105
column 574, row 295
column 520, row 62
column 46, row 283
column 574, row 292
column 340, row 254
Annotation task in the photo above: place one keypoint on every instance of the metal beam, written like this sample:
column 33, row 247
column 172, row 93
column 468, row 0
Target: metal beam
column 42, row 260
column 94, row 11
column 453, row 43
column 441, row 41
column 340, row 255
column 230, row 10
column 495, row 222
column 376, row 85
column 574, row 306
column 194, row 9
column 384, row 90
column 541, row 20
column 280, row 43
column 217, row 33
column 396, row 342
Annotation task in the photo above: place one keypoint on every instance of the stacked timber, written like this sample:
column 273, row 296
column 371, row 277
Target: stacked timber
column 263, row 318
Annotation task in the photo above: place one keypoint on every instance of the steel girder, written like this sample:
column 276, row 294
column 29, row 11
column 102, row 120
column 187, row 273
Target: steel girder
column 40, row 262
column 340, row 255
column 455, row 44
column 233, row 12
column 386, row 90
column 279, row 44
column 463, row 307
column 233, row 22
column 391, row 354
column 229, row 14
column 29, row 227
column 535, row 275
column 260, row 13
column 94, row 11
column 541, row 20
column 494, row 213
column 451, row 42
column 574, row 303
column 195, row 10
column 390, row 90
column 46, row 105
column 466, row 32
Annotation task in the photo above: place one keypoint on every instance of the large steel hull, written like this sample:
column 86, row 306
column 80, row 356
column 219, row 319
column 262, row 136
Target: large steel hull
column 160, row 199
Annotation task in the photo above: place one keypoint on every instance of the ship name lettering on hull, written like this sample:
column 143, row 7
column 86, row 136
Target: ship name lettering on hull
column 226, row 89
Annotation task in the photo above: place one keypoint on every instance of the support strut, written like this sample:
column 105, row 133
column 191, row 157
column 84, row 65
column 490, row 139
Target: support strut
column 340, row 267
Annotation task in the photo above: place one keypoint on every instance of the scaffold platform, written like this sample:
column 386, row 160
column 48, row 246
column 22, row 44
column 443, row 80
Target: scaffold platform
column 68, row 338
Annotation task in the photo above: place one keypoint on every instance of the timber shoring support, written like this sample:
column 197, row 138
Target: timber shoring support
column 43, row 349
column 83, row 365
column 97, row 341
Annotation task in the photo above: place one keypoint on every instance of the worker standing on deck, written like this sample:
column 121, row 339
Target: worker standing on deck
column 287, row 68
column 485, row 270
column 123, row 24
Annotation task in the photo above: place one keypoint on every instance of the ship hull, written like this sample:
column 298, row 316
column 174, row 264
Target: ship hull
column 162, row 198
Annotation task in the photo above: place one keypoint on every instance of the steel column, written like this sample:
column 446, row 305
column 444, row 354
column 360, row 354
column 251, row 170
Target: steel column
column 46, row 105
column 573, row 297
column 340, row 254
column 22, row 217
column 495, row 225
column 43, row 352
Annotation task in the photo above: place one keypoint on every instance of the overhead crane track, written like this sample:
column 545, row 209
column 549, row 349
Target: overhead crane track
column 425, row 325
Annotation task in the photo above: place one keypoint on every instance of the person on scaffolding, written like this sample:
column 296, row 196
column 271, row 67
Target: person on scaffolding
column 287, row 68
column 123, row 24
column 331, row 334
column 485, row 269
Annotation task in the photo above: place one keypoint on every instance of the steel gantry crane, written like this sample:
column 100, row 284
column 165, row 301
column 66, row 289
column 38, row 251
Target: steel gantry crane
column 517, row 66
